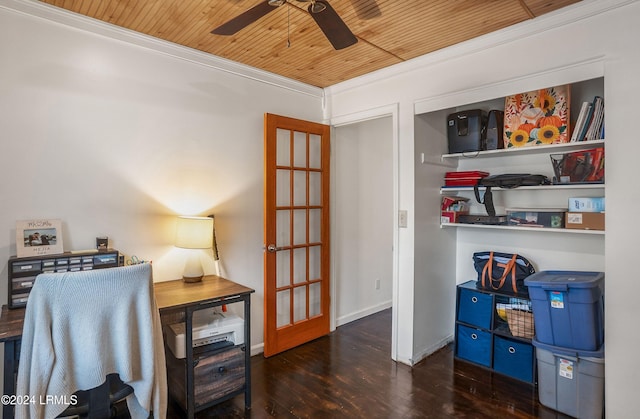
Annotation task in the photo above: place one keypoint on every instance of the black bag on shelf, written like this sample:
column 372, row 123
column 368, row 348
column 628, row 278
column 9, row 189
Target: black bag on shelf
column 502, row 272
column 505, row 181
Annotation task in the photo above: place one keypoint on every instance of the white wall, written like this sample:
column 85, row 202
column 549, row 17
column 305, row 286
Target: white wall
column 434, row 286
column 557, row 48
column 117, row 139
column 363, row 204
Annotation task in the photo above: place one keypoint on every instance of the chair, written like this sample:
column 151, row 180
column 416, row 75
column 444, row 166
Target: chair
column 90, row 339
column 104, row 401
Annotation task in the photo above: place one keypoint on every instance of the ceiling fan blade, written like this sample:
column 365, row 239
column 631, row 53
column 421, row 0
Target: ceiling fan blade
column 334, row 28
column 245, row 19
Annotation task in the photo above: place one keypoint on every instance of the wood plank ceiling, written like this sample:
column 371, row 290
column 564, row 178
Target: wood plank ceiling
column 388, row 31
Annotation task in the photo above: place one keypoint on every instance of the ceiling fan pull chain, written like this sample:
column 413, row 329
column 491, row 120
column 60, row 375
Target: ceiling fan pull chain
column 288, row 25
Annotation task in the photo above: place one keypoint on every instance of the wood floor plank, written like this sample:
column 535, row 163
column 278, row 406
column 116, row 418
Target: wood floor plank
column 350, row 374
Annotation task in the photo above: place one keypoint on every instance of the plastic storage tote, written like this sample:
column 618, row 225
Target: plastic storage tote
column 568, row 308
column 570, row 381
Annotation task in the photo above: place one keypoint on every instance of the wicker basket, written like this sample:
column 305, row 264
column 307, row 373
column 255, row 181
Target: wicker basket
column 520, row 323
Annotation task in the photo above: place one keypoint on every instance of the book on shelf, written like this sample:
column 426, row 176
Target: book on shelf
column 590, row 120
column 580, row 122
column 598, row 116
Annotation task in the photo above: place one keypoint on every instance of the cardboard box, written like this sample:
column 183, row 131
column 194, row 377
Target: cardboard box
column 586, row 204
column 585, row 220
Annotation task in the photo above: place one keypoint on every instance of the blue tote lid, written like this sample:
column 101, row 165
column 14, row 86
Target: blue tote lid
column 563, row 280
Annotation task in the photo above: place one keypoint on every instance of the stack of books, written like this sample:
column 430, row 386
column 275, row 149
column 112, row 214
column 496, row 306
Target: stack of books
column 590, row 123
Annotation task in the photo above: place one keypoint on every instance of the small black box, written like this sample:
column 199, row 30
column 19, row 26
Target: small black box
column 495, row 124
column 466, row 130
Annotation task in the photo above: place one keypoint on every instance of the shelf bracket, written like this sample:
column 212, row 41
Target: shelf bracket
column 437, row 161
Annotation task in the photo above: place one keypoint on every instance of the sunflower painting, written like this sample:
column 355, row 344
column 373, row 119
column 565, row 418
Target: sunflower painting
column 537, row 117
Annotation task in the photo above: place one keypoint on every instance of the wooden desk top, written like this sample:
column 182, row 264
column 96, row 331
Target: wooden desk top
column 177, row 293
column 169, row 295
column 11, row 323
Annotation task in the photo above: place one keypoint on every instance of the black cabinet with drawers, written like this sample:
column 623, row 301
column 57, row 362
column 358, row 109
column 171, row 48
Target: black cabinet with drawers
column 485, row 337
column 23, row 271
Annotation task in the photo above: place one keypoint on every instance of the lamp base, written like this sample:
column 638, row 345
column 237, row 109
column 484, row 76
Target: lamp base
column 193, row 271
column 192, row 279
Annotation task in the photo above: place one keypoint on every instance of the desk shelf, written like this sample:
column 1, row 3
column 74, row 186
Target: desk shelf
column 205, row 377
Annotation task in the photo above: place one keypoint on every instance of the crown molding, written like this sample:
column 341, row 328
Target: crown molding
column 94, row 26
column 567, row 15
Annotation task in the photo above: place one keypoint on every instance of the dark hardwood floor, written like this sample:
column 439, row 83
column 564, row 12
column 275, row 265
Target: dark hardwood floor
column 350, row 374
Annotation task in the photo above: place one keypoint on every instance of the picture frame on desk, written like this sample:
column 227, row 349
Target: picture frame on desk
column 38, row 237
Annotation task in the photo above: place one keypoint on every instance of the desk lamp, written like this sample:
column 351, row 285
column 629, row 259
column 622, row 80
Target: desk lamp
column 194, row 233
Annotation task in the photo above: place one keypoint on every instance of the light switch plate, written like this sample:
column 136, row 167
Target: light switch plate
column 402, row 218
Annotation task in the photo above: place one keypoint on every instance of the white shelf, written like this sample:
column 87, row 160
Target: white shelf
column 531, row 229
column 447, row 190
column 580, row 145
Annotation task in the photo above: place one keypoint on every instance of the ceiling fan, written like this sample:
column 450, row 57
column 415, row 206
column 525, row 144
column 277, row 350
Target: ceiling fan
column 333, row 27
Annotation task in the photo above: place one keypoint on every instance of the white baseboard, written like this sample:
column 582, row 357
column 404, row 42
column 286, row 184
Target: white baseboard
column 340, row 321
column 257, row 349
column 431, row 349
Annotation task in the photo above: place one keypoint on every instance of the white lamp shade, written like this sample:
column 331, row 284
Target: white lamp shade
column 194, row 232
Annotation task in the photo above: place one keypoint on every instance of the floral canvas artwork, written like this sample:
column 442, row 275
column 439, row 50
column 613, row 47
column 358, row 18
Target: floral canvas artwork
column 537, row 117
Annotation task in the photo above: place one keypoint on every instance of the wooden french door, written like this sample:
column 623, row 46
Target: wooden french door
column 296, row 232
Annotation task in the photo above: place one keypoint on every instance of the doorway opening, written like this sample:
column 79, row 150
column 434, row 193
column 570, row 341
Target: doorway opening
column 364, row 228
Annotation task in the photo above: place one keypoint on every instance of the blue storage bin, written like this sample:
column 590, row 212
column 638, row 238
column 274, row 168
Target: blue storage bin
column 475, row 308
column 568, row 308
column 513, row 358
column 474, row 345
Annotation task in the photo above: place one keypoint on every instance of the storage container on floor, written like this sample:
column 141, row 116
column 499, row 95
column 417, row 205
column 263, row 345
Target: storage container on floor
column 568, row 308
column 570, row 381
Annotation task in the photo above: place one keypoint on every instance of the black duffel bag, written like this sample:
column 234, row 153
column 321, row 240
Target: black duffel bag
column 506, row 181
column 503, row 272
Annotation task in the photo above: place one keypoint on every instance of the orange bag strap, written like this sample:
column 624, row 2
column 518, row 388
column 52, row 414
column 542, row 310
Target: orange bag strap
column 484, row 270
column 487, row 272
column 513, row 275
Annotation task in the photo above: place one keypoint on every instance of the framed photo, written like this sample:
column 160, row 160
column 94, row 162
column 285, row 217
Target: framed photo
column 537, row 117
column 38, row 237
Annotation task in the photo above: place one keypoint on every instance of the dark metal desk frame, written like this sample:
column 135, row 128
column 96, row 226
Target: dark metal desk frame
column 11, row 323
